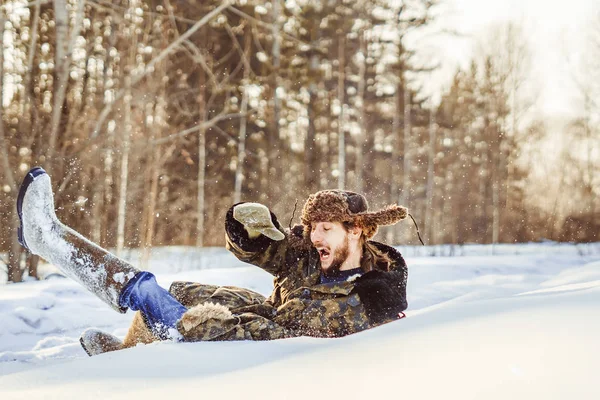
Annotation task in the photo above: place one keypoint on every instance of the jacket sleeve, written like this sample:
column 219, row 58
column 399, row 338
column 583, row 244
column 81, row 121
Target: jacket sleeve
column 262, row 251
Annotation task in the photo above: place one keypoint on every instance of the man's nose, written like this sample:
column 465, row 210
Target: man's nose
column 316, row 236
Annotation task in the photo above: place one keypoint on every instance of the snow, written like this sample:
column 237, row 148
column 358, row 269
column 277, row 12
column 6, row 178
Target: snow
column 514, row 321
column 121, row 277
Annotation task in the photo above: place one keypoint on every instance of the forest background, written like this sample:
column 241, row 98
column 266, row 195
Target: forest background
column 154, row 117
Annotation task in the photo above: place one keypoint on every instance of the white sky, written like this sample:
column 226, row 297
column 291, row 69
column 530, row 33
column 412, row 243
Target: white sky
column 556, row 30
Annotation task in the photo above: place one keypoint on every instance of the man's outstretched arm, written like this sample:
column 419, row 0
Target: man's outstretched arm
column 254, row 235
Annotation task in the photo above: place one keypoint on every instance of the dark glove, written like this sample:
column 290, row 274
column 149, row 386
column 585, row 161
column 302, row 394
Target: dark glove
column 383, row 295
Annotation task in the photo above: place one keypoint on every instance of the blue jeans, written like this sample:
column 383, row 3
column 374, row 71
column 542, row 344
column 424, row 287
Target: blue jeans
column 160, row 309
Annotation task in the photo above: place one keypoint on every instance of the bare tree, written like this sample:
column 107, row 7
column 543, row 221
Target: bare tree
column 586, row 135
column 341, row 167
column 241, row 154
column 172, row 47
column 503, row 97
column 124, row 168
column 15, row 274
column 274, row 153
column 396, row 154
column 201, row 181
column 313, row 107
column 362, row 117
column 158, row 156
column 430, row 193
column 405, row 194
column 63, row 55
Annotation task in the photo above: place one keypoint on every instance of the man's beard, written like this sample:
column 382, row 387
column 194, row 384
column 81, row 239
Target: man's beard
column 339, row 256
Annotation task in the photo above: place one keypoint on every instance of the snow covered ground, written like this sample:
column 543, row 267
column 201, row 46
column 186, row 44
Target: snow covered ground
column 503, row 322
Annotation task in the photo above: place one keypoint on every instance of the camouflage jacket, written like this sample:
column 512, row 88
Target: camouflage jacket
column 298, row 305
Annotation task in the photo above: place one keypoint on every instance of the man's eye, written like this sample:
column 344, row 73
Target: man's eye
column 326, row 229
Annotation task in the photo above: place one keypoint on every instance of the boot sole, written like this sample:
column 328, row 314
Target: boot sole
column 29, row 178
column 82, row 343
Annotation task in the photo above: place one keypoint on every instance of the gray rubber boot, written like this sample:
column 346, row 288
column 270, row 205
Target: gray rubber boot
column 43, row 234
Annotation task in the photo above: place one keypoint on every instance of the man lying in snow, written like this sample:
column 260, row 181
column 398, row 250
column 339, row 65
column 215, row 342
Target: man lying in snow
column 330, row 279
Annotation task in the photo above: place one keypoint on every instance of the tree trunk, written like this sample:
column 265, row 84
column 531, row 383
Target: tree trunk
column 311, row 161
column 15, row 274
column 25, row 122
column 241, row 151
column 154, row 172
column 108, row 184
column 589, row 181
column 241, row 154
column 406, row 189
column 430, row 177
column 63, row 55
column 201, row 207
column 496, row 211
column 32, row 266
column 273, row 153
column 405, row 196
column 158, row 113
column 483, row 179
column 97, row 200
column 341, row 98
column 124, row 174
column 496, row 157
column 151, row 211
column 390, row 236
column 311, row 168
column 7, row 169
column 360, row 138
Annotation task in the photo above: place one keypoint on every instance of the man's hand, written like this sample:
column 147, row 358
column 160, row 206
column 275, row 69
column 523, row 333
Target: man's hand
column 256, row 219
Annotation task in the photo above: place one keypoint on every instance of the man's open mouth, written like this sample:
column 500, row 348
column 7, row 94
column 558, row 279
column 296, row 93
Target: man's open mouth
column 324, row 254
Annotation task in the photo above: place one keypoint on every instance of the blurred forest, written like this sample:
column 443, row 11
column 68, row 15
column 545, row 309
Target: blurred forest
column 153, row 117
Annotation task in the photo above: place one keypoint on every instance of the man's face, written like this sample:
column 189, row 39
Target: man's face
column 331, row 241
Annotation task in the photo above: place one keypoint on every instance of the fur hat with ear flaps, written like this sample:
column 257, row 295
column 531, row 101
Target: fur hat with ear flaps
column 346, row 206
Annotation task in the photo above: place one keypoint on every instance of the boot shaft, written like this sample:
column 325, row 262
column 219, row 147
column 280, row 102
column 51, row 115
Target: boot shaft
column 43, row 234
column 98, row 270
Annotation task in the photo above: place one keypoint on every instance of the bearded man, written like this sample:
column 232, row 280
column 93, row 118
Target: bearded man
column 330, row 279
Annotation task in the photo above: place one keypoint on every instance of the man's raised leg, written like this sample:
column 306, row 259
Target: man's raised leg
column 43, row 234
column 116, row 282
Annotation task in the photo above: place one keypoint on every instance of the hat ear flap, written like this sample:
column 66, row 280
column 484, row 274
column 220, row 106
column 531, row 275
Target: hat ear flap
column 369, row 231
column 388, row 216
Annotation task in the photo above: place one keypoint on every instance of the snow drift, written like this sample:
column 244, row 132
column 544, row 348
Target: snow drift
column 518, row 326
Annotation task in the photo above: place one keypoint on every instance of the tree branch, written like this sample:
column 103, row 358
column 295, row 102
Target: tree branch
column 205, row 125
column 199, row 58
column 238, row 47
column 265, row 25
column 150, row 67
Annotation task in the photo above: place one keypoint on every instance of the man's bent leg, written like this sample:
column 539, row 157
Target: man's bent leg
column 156, row 319
column 138, row 332
column 159, row 308
column 95, row 341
